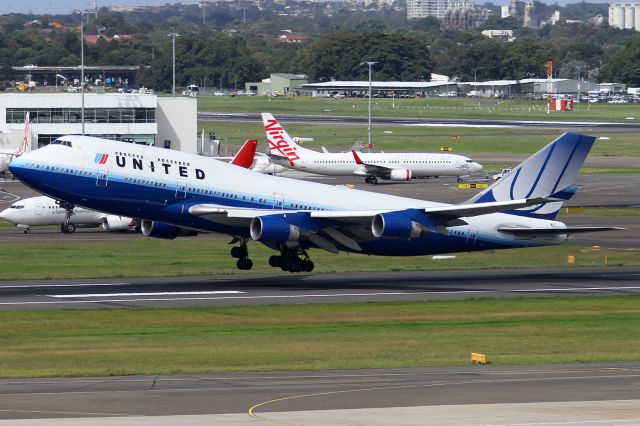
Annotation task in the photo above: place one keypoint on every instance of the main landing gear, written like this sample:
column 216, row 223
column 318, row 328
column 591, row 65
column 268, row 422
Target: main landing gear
column 371, row 179
column 292, row 259
column 242, row 254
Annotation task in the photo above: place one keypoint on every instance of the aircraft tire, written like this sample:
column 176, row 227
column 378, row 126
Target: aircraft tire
column 308, row 266
column 238, row 252
column 275, row 261
column 244, row 264
column 27, row 231
column 71, row 227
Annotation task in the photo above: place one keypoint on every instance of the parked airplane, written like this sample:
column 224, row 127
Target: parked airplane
column 36, row 211
column 180, row 194
column 244, row 157
column 248, row 158
column 6, row 155
column 380, row 165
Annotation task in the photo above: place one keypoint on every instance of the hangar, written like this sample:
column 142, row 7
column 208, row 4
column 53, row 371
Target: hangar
column 131, row 117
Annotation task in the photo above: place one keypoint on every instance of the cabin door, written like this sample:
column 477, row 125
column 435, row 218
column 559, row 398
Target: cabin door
column 102, row 179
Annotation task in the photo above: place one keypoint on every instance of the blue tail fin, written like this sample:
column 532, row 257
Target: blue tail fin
column 552, row 171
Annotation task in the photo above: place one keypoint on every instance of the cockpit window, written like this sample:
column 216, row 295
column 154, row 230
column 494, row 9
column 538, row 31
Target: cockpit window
column 61, row 142
column 469, row 161
column 16, row 207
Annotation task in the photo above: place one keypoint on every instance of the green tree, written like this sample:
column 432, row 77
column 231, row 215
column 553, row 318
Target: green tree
column 338, row 56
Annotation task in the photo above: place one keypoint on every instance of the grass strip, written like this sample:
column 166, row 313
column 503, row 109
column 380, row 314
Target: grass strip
column 395, row 138
column 318, row 337
column 207, row 255
column 422, row 108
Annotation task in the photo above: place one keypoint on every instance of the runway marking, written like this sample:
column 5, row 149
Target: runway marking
column 62, row 285
column 163, row 293
column 299, row 296
column 253, row 414
column 615, row 422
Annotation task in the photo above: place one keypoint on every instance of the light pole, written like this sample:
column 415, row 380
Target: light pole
column 82, row 70
column 369, row 64
column 173, row 39
column 475, row 80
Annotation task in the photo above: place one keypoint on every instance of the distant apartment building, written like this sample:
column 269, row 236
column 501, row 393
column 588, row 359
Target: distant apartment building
column 417, row 9
column 625, row 15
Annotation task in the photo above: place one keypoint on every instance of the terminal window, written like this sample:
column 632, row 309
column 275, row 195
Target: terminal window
column 74, row 115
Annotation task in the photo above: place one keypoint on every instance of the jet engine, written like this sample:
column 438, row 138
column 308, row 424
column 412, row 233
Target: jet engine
column 116, row 223
column 394, row 225
column 162, row 230
column 400, row 174
column 276, row 230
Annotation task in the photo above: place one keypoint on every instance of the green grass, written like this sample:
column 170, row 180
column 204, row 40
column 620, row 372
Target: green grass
column 422, row 108
column 413, row 138
column 318, row 337
column 145, row 257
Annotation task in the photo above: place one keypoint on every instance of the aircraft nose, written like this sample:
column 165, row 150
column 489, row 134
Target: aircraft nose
column 4, row 215
column 476, row 167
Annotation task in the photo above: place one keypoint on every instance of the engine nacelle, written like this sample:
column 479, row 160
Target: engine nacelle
column 268, row 229
column 162, row 230
column 117, row 223
column 394, row 225
column 400, row 174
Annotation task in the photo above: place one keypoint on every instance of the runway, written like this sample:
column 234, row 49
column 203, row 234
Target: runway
column 327, row 288
column 586, row 394
column 409, row 121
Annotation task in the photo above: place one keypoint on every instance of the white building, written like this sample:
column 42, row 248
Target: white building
column 417, row 9
column 137, row 118
column 625, row 15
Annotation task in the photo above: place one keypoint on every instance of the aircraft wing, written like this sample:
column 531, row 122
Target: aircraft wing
column 329, row 228
column 371, row 169
column 448, row 211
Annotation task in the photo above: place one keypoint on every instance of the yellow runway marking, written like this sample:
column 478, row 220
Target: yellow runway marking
column 253, row 414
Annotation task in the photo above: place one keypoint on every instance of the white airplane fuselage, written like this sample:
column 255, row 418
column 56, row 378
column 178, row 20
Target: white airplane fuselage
column 421, row 165
column 43, row 210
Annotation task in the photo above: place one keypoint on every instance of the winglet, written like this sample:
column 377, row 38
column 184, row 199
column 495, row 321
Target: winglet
column 356, row 157
column 244, row 157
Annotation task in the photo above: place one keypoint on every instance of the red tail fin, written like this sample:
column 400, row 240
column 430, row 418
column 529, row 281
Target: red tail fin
column 356, row 157
column 244, row 157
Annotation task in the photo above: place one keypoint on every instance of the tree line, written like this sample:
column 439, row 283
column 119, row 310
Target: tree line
column 227, row 49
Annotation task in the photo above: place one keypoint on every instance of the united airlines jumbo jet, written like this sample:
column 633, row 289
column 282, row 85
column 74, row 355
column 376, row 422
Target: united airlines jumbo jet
column 399, row 166
column 179, row 194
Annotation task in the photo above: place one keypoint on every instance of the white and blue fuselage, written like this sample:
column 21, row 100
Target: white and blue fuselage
column 167, row 186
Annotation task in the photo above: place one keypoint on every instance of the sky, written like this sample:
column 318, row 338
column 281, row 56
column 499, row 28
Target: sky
column 66, row 6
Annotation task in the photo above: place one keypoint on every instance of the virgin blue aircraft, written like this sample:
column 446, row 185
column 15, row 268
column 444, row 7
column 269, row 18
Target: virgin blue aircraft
column 179, row 194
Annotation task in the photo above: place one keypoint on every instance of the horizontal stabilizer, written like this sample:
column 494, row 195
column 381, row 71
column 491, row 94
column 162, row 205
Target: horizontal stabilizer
column 558, row 231
column 467, row 210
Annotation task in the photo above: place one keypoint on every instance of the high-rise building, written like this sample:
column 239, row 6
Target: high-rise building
column 423, row 8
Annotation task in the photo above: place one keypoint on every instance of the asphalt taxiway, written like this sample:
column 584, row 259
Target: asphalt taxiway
column 317, row 288
column 593, row 394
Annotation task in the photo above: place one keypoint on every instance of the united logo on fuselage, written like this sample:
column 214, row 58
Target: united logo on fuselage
column 101, row 158
column 279, row 143
column 182, row 170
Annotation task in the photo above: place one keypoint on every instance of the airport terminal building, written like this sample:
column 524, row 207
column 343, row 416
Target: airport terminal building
column 130, row 117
